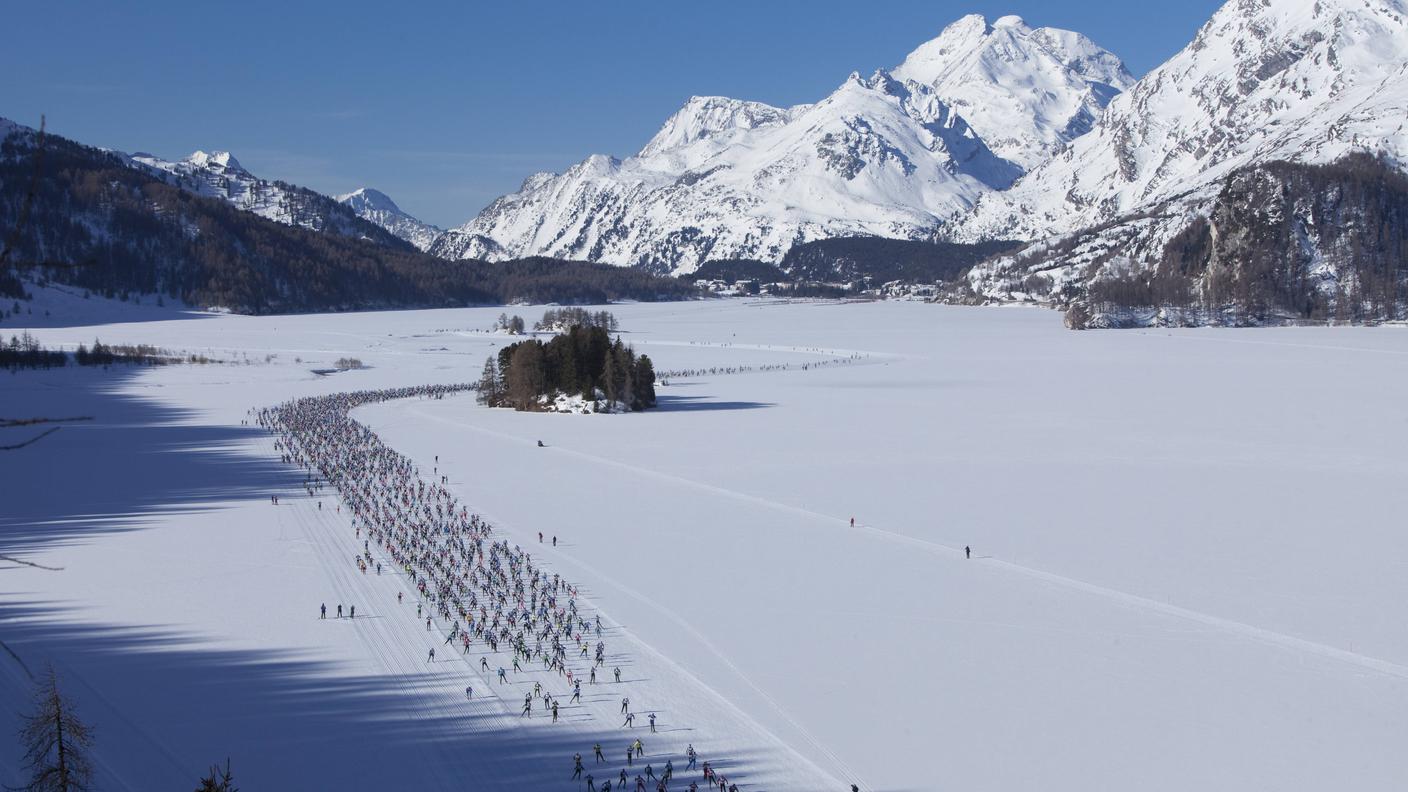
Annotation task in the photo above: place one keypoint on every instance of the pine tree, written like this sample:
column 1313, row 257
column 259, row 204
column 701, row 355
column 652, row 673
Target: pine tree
column 56, row 743
column 525, row 380
column 609, row 377
column 218, row 780
column 644, row 383
column 490, row 385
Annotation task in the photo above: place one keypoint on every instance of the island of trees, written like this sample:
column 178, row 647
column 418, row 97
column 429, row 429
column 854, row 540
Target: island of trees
column 581, row 362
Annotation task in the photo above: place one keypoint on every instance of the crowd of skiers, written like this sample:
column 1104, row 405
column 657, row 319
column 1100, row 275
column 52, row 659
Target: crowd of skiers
column 483, row 590
column 488, row 594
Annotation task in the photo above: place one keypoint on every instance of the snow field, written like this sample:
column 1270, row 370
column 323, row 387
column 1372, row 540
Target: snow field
column 1184, row 575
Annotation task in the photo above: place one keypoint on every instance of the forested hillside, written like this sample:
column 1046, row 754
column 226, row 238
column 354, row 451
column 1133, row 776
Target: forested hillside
column 84, row 217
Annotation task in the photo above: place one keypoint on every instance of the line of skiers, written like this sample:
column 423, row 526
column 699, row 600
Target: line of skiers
column 489, row 594
column 661, row 783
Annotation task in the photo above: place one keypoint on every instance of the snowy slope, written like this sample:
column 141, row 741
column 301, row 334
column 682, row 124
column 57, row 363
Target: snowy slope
column 375, row 206
column 219, row 175
column 888, row 155
column 1300, row 80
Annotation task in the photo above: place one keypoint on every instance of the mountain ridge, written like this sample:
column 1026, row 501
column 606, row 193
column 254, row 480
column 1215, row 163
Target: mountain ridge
column 885, row 155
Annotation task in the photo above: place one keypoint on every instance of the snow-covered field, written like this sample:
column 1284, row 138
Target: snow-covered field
column 1188, row 569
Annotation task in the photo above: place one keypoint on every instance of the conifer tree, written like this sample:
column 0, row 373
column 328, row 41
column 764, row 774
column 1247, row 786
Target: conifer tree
column 644, row 383
column 56, row 743
column 490, row 386
column 525, row 379
column 219, row 780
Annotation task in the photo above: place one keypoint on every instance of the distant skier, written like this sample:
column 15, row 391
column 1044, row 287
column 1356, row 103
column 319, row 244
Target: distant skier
column 339, row 610
column 967, row 551
column 652, row 723
column 597, row 750
column 625, row 705
column 431, row 657
column 323, row 611
column 352, row 612
column 468, row 693
column 618, row 673
column 540, row 444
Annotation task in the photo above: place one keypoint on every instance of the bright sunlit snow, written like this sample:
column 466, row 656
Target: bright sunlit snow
column 1186, row 570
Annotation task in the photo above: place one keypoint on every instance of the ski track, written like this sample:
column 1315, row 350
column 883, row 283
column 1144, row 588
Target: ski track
column 327, row 531
column 686, row 626
column 1135, row 601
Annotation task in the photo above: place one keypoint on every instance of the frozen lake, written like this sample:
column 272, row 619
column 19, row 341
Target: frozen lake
column 1186, row 566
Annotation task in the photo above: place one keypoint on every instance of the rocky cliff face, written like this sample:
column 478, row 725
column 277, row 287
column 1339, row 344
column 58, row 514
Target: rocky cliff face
column 1279, row 242
column 1264, row 85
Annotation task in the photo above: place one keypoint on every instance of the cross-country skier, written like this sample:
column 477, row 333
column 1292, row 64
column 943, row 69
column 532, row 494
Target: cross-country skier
column 967, row 551
column 323, row 611
column 431, row 657
column 652, row 723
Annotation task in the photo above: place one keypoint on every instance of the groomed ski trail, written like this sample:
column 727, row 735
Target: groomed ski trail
column 1134, row 601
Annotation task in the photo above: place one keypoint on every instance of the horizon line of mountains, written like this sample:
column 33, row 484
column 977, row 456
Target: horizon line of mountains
column 1119, row 191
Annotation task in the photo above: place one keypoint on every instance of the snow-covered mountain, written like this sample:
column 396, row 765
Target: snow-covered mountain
column 1264, row 80
column 219, row 175
column 377, row 207
column 1026, row 92
column 893, row 154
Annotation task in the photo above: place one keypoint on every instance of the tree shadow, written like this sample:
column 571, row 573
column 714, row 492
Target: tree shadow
column 134, row 459
column 165, row 702
column 701, row 403
column 164, row 710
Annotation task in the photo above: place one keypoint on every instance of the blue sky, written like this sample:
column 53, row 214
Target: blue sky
column 446, row 106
